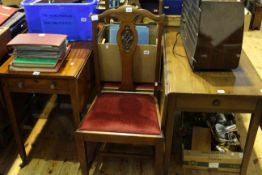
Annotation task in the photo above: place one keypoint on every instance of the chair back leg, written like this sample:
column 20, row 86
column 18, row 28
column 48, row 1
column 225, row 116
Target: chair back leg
column 159, row 157
column 82, row 154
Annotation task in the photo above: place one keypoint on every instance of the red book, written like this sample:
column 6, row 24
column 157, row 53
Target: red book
column 6, row 12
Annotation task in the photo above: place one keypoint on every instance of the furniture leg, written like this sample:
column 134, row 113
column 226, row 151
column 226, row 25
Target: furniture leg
column 159, row 158
column 251, row 136
column 14, row 124
column 261, row 122
column 169, row 130
column 75, row 104
column 82, row 154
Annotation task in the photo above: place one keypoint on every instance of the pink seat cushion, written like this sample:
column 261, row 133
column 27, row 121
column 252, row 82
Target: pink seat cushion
column 121, row 112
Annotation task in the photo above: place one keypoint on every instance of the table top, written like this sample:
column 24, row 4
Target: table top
column 73, row 65
column 181, row 79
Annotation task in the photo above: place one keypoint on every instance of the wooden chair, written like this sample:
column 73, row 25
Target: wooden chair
column 124, row 115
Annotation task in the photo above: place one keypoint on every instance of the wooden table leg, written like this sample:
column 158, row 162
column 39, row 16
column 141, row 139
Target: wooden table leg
column 14, row 124
column 251, row 136
column 169, row 130
column 75, row 103
column 261, row 122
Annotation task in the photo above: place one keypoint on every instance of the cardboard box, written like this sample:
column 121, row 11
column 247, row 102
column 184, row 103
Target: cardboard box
column 172, row 20
column 144, row 59
column 202, row 143
column 11, row 2
column 199, row 158
column 229, row 162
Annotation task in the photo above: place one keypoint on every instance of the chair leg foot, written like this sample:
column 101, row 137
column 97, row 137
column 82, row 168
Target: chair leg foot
column 24, row 163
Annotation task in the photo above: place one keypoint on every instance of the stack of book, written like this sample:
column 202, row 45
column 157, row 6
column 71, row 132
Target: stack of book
column 14, row 19
column 6, row 29
column 38, row 52
column 6, row 12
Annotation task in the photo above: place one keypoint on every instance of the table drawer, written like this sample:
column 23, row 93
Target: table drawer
column 244, row 104
column 38, row 85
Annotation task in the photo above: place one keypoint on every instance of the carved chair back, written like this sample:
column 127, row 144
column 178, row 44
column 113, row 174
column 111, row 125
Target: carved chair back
column 127, row 41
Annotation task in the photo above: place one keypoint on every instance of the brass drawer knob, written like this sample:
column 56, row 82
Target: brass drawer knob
column 216, row 102
column 52, row 86
column 20, row 85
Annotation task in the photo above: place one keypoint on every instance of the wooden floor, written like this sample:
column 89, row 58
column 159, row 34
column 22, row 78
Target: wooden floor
column 52, row 151
column 51, row 147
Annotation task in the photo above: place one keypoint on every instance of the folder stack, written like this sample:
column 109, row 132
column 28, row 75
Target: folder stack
column 16, row 23
column 38, row 52
column 14, row 19
column 142, row 30
column 12, row 22
column 5, row 13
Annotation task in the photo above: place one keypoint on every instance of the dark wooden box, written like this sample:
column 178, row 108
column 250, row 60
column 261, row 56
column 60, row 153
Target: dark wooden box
column 212, row 33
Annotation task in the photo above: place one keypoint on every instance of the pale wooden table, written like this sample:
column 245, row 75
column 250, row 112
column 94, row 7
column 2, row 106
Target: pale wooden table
column 200, row 91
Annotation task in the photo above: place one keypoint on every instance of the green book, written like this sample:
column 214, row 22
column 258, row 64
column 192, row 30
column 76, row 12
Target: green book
column 34, row 62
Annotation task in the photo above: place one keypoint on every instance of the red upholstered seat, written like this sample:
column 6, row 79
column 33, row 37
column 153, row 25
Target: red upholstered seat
column 122, row 112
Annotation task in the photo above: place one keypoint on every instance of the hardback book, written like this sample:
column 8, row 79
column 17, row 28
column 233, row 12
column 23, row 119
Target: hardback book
column 38, row 64
column 39, row 45
column 5, row 13
column 38, row 54
column 34, row 40
column 37, row 69
column 34, row 62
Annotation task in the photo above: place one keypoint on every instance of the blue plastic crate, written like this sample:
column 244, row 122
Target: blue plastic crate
column 72, row 19
column 172, row 7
